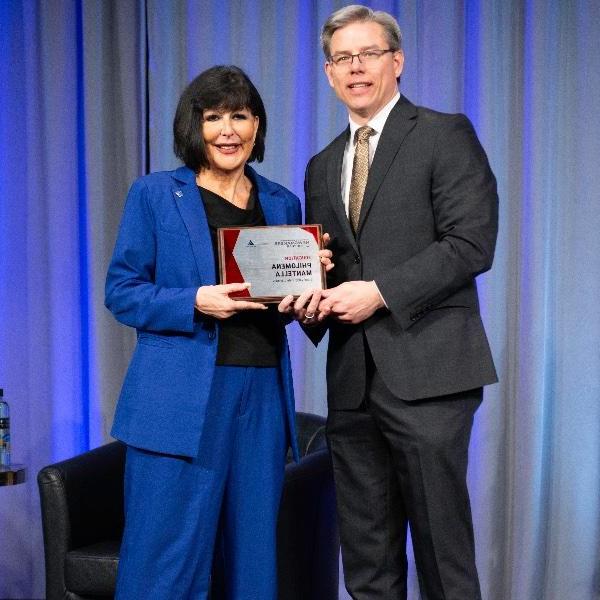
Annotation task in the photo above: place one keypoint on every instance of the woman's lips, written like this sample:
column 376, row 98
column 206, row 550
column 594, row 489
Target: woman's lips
column 227, row 148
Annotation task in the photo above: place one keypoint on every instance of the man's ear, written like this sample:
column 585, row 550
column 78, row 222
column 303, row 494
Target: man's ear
column 327, row 67
column 398, row 58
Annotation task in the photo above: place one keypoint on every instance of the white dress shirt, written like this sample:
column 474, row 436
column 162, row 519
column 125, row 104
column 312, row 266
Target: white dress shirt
column 377, row 123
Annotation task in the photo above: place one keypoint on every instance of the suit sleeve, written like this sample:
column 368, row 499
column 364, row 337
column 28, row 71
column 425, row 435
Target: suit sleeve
column 130, row 292
column 465, row 207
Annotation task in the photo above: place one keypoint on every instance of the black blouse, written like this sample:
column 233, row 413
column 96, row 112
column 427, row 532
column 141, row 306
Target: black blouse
column 250, row 338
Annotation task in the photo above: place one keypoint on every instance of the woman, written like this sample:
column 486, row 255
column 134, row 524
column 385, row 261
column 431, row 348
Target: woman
column 207, row 408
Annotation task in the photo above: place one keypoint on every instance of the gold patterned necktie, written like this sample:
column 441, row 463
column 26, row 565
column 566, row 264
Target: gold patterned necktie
column 360, row 172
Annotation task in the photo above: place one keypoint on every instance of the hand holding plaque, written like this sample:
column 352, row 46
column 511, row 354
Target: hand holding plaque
column 278, row 260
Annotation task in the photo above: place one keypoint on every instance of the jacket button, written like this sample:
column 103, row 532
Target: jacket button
column 357, row 259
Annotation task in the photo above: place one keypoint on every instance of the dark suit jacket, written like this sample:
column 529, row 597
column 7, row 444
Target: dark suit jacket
column 427, row 228
column 162, row 256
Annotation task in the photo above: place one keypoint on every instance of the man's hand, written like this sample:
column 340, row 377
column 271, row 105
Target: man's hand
column 325, row 255
column 214, row 300
column 351, row 302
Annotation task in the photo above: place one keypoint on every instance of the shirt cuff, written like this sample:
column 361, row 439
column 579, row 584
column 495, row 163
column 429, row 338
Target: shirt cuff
column 380, row 295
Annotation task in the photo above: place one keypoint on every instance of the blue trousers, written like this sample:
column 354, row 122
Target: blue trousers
column 181, row 512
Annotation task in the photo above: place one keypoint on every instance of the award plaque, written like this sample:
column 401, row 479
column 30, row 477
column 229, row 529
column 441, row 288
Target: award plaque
column 277, row 260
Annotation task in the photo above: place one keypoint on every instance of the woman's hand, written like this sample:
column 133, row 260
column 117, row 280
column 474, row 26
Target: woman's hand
column 214, row 300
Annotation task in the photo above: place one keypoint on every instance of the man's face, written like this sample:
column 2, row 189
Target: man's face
column 365, row 88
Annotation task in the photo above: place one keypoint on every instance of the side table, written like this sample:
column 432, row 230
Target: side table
column 12, row 474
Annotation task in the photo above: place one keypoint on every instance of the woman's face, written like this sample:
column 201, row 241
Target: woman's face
column 228, row 137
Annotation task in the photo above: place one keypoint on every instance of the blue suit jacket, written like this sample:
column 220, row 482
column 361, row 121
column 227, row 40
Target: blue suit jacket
column 163, row 254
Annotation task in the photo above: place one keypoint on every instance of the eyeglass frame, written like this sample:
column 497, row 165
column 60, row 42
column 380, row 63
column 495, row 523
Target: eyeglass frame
column 379, row 52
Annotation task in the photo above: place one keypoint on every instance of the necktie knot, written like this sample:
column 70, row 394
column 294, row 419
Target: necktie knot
column 363, row 133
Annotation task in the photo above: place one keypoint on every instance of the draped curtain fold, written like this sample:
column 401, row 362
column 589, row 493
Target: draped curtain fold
column 88, row 91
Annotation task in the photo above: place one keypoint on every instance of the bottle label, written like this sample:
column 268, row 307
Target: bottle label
column 5, row 434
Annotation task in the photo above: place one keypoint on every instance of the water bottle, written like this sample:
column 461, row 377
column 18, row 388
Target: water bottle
column 4, row 432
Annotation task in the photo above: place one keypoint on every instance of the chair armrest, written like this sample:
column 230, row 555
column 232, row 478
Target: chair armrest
column 311, row 432
column 82, row 503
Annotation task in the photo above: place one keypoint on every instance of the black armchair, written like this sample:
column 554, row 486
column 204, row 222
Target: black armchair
column 82, row 518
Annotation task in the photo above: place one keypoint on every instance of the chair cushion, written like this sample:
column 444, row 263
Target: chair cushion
column 93, row 569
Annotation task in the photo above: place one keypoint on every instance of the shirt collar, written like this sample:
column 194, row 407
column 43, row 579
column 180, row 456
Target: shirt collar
column 378, row 121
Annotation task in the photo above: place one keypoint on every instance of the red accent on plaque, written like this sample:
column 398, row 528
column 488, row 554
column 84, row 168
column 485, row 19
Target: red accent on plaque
column 232, row 271
column 313, row 229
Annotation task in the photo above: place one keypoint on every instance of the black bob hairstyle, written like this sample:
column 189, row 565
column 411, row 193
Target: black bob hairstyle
column 218, row 88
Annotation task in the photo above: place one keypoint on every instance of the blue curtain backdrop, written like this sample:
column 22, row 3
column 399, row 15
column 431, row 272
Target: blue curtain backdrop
column 87, row 94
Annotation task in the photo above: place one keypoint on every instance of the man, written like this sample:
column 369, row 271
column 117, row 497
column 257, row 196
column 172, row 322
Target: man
column 410, row 203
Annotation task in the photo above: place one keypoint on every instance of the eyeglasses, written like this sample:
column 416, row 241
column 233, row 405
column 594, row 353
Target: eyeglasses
column 366, row 56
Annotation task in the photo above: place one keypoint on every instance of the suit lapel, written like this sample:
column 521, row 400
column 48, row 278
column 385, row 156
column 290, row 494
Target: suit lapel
column 273, row 208
column 400, row 121
column 334, row 184
column 272, row 205
column 191, row 208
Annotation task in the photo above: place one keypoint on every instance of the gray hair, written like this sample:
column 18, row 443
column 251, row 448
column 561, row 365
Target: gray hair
column 358, row 13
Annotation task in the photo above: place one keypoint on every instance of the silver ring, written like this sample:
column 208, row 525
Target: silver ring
column 309, row 317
